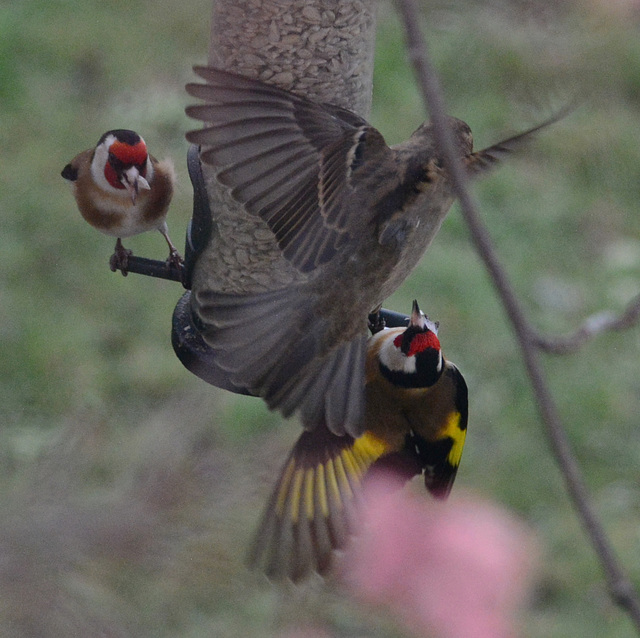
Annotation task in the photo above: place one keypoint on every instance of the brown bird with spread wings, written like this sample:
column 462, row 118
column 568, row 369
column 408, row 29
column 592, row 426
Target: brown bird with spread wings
column 351, row 218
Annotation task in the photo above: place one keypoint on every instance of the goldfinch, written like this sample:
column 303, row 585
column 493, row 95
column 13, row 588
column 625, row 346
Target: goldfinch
column 415, row 422
column 122, row 191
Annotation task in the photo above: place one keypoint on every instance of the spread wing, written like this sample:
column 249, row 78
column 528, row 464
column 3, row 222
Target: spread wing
column 271, row 344
column 285, row 158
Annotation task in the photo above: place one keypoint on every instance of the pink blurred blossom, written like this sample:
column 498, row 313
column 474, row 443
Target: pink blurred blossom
column 457, row 569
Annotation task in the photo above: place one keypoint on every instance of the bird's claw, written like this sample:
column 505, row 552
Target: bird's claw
column 175, row 260
column 120, row 259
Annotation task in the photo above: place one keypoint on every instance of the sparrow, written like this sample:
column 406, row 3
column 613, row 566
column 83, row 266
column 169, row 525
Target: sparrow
column 350, row 218
column 122, row 191
column 415, row 423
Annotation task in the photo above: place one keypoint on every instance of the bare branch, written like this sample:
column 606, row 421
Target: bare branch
column 619, row 584
column 594, row 325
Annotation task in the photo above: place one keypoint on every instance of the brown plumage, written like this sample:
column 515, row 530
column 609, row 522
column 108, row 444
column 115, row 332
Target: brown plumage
column 122, row 190
column 415, row 422
column 348, row 218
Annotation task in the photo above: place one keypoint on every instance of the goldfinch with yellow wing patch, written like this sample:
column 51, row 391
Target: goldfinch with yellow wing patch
column 415, row 422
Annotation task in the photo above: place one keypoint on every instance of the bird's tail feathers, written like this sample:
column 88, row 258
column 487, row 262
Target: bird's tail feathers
column 480, row 161
column 312, row 510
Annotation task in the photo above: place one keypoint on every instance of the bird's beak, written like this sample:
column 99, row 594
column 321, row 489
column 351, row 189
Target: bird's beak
column 417, row 316
column 133, row 182
column 420, row 320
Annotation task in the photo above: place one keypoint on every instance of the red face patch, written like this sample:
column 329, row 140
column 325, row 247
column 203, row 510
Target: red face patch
column 128, row 154
column 111, row 177
column 419, row 343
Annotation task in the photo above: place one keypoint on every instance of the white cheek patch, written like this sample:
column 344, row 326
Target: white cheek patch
column 409, row 364
column 393, row 359
column 100, row 159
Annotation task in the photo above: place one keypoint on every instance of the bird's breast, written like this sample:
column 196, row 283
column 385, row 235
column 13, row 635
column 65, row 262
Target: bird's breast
column 116, row 215
column 412, row 230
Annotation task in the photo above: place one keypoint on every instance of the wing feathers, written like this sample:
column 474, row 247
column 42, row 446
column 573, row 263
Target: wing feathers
column 239, row 150
column 440, row 455
column 284, row 158
column 270, row 343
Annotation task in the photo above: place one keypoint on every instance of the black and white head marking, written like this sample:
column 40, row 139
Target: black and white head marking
column 412, row 358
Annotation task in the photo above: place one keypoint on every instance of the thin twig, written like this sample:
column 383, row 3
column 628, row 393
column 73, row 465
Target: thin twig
column 593, row 326
column 619, row 584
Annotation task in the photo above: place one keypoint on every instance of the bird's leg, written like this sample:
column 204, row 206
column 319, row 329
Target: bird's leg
column 376, row 321
column 120, row 258
column 174, row 258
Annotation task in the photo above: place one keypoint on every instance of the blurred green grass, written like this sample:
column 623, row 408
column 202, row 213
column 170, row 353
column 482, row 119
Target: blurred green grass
column 99, row 415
